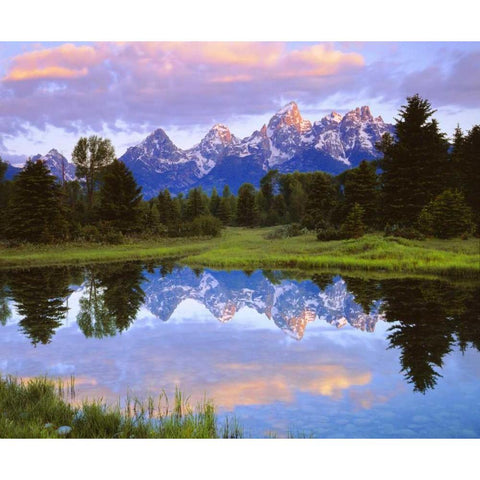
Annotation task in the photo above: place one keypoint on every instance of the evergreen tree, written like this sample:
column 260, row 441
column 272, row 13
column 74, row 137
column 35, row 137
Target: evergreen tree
column 5, row 187
column 120, row 198
column 361, row 187
column 415, row 163
column 456, row 160
column 446, row 216
column 35, row 212
column 225, row 212
column 354, row 226
column 168, row 209
column 214, row 202
column 470, row 170
column 90, row 156
column 247, row 210
column 197, row 204
column 322, row 197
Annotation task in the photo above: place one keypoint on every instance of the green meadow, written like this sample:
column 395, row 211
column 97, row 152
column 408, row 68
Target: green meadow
column 248, row 249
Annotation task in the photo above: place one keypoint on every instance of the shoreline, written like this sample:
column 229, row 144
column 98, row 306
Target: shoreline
column 242, row 248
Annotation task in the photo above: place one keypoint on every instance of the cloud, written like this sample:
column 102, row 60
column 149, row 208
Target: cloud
column 165, row 84
column 458, row 85
column 63, row 62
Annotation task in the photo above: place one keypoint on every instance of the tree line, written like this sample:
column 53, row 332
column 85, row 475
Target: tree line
column 422, row 186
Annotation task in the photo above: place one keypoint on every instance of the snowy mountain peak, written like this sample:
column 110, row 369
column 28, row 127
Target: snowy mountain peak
column 58, row 164
column 289, row 116
column 334, row 117
column 220, row 134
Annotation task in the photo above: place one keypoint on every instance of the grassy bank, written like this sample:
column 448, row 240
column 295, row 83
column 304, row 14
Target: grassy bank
column 240, row 248
column 42, row 408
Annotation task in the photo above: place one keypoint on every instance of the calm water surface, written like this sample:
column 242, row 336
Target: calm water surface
column 318, row 355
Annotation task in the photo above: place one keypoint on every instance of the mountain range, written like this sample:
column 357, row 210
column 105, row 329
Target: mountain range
column 287, row 143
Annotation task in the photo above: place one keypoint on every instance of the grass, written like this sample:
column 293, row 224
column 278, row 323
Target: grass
column 241, row 248
column 38, row 407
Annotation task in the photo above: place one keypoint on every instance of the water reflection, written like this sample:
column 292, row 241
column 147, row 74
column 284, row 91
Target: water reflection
column 427, row 319
column 112, row 297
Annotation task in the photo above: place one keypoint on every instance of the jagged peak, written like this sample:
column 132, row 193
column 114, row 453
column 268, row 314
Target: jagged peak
column 289, row 107
column 219, row 132
column 362, row 113
column 290, row 115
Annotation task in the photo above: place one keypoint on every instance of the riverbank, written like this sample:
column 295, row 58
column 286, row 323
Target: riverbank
column 241, row 248
column 43, row 408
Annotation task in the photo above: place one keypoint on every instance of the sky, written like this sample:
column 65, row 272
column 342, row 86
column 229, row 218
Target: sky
column 52, row 93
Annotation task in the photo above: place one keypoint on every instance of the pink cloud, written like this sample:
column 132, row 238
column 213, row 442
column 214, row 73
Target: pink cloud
column 65, row 61
column 164, row 83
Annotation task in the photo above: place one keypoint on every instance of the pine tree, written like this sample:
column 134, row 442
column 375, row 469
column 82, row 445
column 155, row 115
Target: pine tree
column 322, row 197
column 120, row 198
column 35, row 211
column 4, row 195
column 415, row 163
column 214, row 203
column 247, row 210
column 197, row 204
column 168, row 209
column 470, row 169
column 225, row 213
column 90, row 156
column 361, row 187
column 354, row 226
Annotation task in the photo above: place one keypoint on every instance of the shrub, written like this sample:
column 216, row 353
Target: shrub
column 409, row 233
column 286, row 231
column 204, row 225
column 329, row 233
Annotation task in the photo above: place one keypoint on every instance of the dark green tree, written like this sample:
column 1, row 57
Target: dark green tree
column 415, row 163
column 470, row 170
column 197, row 204
column 225, row 209
column 353, row 226
column 247, row 210
column 214, row 204
column 168, row 209
column 322, row 197
column 120, row 198
column 5, row 187
column 35, row 211
column 362, row 187
column 91, row 155
column 446, row 216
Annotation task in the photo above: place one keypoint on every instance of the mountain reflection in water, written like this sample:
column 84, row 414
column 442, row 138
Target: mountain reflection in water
column 422, row 321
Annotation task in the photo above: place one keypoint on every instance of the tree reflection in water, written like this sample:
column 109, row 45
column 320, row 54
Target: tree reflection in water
column 40, row 295
column 112, row 298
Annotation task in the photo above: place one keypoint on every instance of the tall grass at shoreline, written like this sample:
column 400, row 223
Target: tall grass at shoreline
column 44, row 408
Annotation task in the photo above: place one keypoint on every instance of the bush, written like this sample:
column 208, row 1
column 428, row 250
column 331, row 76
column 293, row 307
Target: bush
column 204, row 225
column 329, row 233
column 90, row 233
column 447, row 216
column 286, row 231
column 409, row 233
